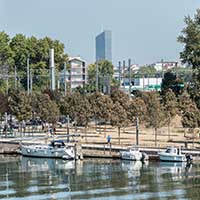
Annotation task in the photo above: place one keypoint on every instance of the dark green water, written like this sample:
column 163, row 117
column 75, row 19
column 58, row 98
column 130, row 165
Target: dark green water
column 24, row 178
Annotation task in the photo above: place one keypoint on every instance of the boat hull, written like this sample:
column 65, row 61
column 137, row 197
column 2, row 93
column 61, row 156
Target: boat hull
column 172, row 158
column 131, row 155
column 46, row 152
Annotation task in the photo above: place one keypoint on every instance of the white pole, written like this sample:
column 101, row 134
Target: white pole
column 52, row 69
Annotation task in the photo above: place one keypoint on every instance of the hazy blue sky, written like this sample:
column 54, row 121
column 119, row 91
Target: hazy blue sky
column 143, row 30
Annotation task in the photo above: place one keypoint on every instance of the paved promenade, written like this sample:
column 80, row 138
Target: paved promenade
column 94, row 140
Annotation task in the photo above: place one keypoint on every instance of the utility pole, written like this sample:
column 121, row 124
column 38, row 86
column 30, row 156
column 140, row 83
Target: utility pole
column 65, row 84
column 31, row 81
column 7, row 84
column 124, row 66
column 67, row 128
column 119, row 73
column 97, row 77
column 137, row 131
column 28, row 76
column 162, row 69
column 129, row 68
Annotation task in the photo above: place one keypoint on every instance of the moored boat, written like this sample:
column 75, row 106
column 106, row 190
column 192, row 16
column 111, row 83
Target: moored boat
column 133, row 153
column 56, row 149
column 173, row 154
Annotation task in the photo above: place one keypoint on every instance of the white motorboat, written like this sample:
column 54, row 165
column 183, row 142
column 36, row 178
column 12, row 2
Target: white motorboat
column 57, row 149
column 133, row 153
column 174, row 154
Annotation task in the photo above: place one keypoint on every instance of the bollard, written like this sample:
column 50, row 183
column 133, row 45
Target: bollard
column 78, row 152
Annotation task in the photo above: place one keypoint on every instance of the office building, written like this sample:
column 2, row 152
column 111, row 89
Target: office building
column 103, row 46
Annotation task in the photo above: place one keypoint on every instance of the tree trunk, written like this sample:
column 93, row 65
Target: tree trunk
column 105, row 130
column 169, row 130
column 86, row 134
column 156, row 132
column 193, row 138
column 119, row 135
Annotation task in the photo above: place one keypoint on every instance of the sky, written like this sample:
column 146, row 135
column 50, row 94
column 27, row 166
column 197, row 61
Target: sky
column 145, row 31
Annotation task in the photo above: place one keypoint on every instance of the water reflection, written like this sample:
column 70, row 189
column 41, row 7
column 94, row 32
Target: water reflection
column 35, row 178
column 44, row 164
column 134, row 168
column 174, row 167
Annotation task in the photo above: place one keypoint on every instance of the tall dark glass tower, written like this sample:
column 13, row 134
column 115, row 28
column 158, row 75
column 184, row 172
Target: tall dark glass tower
column 103, row 46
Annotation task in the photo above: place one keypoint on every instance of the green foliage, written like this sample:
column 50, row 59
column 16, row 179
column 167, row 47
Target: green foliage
column 80, row 109
column 15, row 51
column 191, row 53
column 45, row 108
column 105, row 72
column 6, row 54
column 190, row 112
column 19, row 104
column 170, row 81
column 147, row 70
column 18, row 45
column 105, row 68
column 3, row 103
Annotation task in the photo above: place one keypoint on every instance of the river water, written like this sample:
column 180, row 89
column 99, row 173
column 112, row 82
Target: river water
column 23, row 178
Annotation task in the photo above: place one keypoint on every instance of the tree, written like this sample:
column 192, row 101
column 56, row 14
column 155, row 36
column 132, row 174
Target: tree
column 92, row 74
column 6, row 54
column 101, row 108
column 190, row 112
column 105, row 73
column 118, row 117
column 154, row 111
column 170, row 81
column 137, row 108
column 120, row 97
column 3, row 103
column 18, row 45
column 170, row 106
column 80, row 110
column 147, row 71
column 45, row 108
column 19, row 104
column 191, row 54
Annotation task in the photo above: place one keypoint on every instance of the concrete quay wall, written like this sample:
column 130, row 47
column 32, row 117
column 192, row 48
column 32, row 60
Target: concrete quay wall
column 98, row 151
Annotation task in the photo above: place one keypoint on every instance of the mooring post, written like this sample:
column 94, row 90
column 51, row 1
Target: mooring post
column 78, row 152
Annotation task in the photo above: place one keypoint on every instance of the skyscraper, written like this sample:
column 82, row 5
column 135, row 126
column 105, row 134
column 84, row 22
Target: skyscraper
column 103, row 46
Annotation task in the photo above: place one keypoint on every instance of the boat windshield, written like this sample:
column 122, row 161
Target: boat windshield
column 171, row 150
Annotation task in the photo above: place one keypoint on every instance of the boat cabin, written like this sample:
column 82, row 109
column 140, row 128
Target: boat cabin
column 173, row 150
column 57, row 143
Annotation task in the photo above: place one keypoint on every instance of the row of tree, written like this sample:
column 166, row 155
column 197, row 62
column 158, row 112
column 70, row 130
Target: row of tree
column 118, row 109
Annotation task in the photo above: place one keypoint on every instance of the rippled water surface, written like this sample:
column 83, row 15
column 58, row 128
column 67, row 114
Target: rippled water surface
column 23, row 178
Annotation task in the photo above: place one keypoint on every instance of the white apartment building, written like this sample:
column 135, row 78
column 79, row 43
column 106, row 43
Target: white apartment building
column 166, row 65
column 76, row 75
